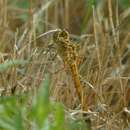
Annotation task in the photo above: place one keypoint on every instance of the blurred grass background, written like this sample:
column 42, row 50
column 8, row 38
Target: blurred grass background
column 30, row 99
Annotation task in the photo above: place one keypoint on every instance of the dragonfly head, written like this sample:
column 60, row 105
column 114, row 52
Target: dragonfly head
column 60, row 36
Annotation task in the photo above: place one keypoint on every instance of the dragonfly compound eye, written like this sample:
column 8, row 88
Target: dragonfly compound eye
column 64, row 34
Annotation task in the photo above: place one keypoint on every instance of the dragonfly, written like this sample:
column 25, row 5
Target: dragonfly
column 67, row 50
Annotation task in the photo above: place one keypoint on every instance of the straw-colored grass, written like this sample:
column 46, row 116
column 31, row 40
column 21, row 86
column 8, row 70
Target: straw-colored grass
column 102, row 31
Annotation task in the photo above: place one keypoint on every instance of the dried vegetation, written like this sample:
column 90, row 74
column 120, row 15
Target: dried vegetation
column 103, row 34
